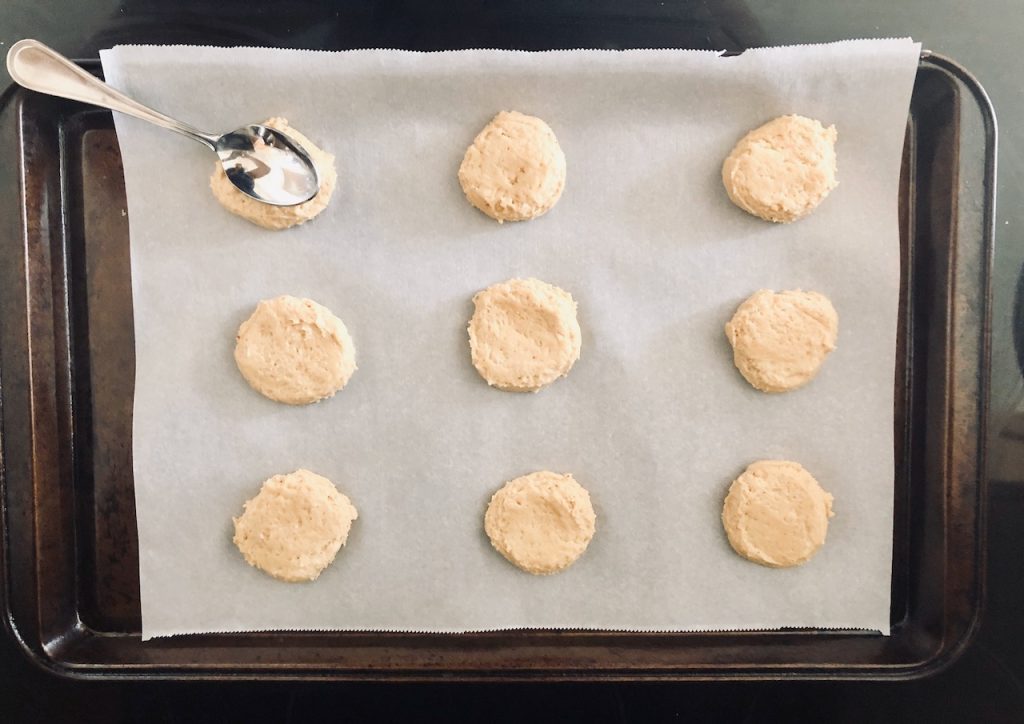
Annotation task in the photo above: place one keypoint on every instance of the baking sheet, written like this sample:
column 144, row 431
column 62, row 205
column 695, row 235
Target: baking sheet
column 653, row 420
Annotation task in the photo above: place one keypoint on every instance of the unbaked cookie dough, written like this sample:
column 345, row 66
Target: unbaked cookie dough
column 781, row 339
column 278, row 217
column 782, row 170
column 776, row 514
column 541, row 522
column 295, row 526
column 294, row 351
column 515, row 169
column 523, row 334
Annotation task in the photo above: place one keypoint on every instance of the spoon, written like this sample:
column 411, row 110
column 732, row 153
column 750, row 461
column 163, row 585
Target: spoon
column 261, row 162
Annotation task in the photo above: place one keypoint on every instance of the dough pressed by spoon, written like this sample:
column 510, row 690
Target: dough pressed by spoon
column 541, row 522
column 524, row 334
column 776, row 514
column 279, row 217
column 295, row 526
column 781, row 339
column 514, row 170
column 782, row 170
column 294, row 351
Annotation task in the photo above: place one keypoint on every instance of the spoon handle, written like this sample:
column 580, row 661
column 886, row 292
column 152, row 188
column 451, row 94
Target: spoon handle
column 40, row 68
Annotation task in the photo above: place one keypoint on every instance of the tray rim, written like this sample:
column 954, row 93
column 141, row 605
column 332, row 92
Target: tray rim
column 947, row 653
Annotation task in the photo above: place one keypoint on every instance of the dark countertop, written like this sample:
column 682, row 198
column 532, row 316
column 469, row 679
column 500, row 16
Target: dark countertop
column 985, row 684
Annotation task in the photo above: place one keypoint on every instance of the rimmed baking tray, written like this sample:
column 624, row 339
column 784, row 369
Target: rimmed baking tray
column 70, row 554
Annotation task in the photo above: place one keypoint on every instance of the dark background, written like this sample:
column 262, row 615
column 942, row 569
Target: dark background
column 986, row 684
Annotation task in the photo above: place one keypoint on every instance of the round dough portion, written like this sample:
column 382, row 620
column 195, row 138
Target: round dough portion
column 523, row 334
column 294, row 526
column 515, row 169
column 781, row 339
column 782, row 170
column 541, row 522
column 776, row 514
column 278, row 217
column 294, row 351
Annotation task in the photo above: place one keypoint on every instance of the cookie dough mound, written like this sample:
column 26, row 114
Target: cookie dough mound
column 776, row 514
column 782, row 170
column 515, row 169
column 295, row 526
column 523, row 334
column 294, row 351
column 781, row 339
column 541, row 522
column 278, row 217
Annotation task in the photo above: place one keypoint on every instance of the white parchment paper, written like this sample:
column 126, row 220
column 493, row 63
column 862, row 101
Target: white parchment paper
column 653, row 420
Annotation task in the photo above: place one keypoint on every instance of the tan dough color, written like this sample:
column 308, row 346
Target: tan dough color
column 776, row 514
column 295, row 526
column 781, row 339
column 278, row 217
column 782, row 170
column 294, row 351
column 541, row 522
column 515, row 169
column 523, row 334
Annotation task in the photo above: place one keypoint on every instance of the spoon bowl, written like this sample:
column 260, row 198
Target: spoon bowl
column 261, row 162
column 268, row 165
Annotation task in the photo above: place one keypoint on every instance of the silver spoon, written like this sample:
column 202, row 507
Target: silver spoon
column 261, row 162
